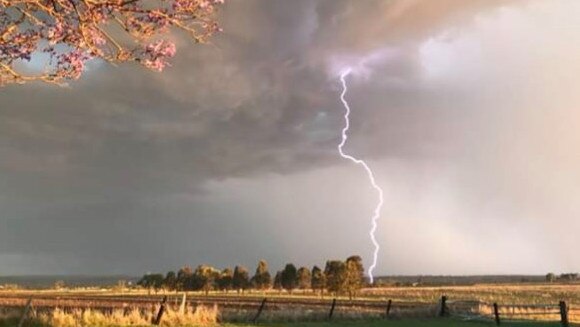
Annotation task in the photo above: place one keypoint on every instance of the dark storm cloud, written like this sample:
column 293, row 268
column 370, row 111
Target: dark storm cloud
column 129, row 170
column 248, row 93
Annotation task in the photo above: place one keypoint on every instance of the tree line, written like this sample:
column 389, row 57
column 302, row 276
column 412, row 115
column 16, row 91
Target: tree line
column 569, row 277
column 338, row 277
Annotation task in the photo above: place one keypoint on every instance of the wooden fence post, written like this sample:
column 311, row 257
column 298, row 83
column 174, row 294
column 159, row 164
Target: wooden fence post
column 443, row 310
column 564, row 314
column 332, row 309
column 259, row 310
column 183, row 303
column 25, row 313
column 388, row 309
column 496, row 314
column 160, row 312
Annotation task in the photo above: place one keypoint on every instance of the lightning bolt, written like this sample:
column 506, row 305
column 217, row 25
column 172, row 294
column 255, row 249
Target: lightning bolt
column 377, row 211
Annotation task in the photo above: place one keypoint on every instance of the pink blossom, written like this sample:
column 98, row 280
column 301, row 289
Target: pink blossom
column 70, row 43
column 158, row 64
column 157, row 54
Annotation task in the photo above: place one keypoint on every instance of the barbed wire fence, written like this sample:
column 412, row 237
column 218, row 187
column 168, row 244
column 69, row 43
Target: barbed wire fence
column 256, row 310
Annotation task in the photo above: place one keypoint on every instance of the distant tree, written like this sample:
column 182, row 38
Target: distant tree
column 68, row 33
column 262, row 279
column 289, row 277
column 170, row 281
column 550, row 277
column 278, row 281
column 354, row 275
column 204, row 278
column 569, row 277
column 335, row 272
column 304, row 278
column 151, row 281
column 145, row 282
column 241, row 279
column 157, row 282
column 318, row 280
column 184, row 276
column 225, row 280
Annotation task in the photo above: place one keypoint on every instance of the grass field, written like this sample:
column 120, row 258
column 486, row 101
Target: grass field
column 402, row 323
column 376, row 323
column 500, row 293
column 530, row 302
column 518, row 293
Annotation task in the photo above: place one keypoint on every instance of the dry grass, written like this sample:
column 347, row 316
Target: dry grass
column 297, row 314
column 537, row 302
column 500, row 293
column 532, row 293
column 198, row 316
column 293, row 313
column 518, row 301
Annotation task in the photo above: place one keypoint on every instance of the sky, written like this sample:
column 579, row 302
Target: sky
column 467, row 112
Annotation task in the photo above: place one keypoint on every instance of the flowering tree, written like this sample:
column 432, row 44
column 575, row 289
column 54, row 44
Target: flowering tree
column 60, row 36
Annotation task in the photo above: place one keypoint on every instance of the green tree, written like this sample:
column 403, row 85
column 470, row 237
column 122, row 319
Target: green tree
column 241, row 279
column 184, row 278
column 204, row 278
column 550, row 277
column 318, row 280
column 145, row 283
column 304, row 278
column 151, row 281
column 278, row 281
column 225, row 280
column 354, row 275
column 289, row 277
column 170, row 282
column 262, row 279
column 335, row 272
column 157, row 282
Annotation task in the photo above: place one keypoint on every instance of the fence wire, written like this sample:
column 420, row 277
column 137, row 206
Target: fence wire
column 239, row 309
